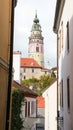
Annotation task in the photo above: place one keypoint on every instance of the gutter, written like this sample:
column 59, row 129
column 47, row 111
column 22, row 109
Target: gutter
column 57, row 82
column 58, row 14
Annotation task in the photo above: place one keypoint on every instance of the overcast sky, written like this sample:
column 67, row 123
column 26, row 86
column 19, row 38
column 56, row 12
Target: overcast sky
column 24, row 15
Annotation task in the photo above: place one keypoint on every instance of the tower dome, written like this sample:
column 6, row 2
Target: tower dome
column 36, row 25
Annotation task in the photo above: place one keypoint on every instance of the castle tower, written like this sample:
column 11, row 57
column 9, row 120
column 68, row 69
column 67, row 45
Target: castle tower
column 36, row 49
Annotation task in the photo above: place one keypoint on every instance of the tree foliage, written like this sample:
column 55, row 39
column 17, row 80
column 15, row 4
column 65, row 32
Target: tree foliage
column 39, row 85
column 17, row 101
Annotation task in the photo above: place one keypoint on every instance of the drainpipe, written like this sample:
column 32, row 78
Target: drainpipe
column 57, row 83
column 13, row 4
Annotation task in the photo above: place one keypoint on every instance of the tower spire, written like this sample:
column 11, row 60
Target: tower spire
column 35, row 13
column 36, row 20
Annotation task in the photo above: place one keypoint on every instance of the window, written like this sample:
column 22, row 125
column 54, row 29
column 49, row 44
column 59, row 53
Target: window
column 32, row 107
column 62, row 93
column 68, row 36
column 68, row 93
column 37, row 41
column 60, row 41
column 24, row 77
column 32, row 70
column 25, row 109
column 45, row 72
column 37, row 49
column 28, row 109
column 62, row 33
column 24, row 70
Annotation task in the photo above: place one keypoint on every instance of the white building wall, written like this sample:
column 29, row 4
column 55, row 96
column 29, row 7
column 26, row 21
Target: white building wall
column 16, row 66
column 29, row 121
column 50, row 96
column 66, row 64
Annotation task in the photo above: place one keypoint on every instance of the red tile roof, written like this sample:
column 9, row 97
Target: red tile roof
column 45, row 69
column 40, row 102
column 29, row 62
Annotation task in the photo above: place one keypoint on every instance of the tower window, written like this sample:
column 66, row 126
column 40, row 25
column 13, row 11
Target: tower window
column 37, row 49
column 37, row 40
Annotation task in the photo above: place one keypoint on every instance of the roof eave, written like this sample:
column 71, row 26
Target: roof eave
column 58, row 13
column 49, row 85
column 39, row 67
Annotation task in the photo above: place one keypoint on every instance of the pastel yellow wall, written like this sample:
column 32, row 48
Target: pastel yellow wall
column 5, row 23
column 3, row 97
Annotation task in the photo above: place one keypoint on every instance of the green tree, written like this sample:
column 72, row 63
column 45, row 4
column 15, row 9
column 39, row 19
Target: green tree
column 30, row 82
column 40, row 84
column 17, row 102
column 44, row 82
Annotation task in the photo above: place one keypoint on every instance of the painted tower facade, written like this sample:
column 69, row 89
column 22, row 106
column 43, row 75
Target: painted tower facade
column 36, row 48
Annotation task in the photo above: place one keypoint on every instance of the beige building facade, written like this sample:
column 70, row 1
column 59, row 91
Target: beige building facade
column 33, row 73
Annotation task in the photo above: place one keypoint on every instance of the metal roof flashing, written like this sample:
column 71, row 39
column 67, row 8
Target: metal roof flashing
column 58, row 14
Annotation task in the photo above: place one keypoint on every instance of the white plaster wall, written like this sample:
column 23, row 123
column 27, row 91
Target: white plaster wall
column 16, row 67
column 29, row 121
column 50, row 96
column 66, row 64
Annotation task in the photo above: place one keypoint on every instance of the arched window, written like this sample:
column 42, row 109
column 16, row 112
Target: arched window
column 37, row 49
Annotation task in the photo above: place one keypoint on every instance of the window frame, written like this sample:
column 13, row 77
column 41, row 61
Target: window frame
column 62, row 102
column 32, row 70
column 68, row 93
column 68, row 45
